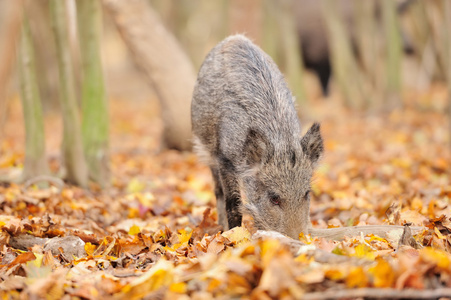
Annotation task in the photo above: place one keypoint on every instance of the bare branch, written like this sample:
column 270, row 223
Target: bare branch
column 379, row 294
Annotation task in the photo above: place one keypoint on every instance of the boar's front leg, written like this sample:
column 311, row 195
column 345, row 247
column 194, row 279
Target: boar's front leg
column 220, row 201
column 229, row 180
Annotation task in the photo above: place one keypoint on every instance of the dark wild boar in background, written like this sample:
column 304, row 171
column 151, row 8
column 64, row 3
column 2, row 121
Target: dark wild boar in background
column 246, row 128
column 313, row 35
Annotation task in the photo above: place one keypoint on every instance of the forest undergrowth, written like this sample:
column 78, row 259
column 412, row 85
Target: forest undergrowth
column 153, row 233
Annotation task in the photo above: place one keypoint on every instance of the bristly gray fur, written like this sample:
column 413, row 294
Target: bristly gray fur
column 246, row 128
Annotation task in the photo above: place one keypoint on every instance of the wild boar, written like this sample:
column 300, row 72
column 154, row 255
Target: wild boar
column 246, row 128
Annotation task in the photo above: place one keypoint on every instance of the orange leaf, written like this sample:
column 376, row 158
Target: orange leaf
column 363, row 251
column 436, row 256
column 90, row 248
column 356, row 278
column 23, row 258
column 134, row 230
column 383, row 274
column 179, row 287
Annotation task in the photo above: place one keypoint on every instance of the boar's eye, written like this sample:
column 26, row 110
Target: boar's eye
column 275, row 199
column 307, row 194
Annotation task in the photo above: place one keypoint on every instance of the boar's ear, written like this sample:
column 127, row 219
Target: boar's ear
column 256, row 147
column 312, row 144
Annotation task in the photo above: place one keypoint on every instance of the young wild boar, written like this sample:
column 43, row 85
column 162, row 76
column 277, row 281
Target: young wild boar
column 245, row 125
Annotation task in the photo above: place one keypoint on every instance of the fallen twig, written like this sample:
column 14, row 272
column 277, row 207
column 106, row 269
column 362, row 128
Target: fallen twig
column 55, row 181
column 297, row 247
column 377, row 293
column 340, row 232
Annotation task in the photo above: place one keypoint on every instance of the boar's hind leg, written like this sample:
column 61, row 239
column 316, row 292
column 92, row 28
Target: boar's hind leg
column 220, row 201
column 231, row 191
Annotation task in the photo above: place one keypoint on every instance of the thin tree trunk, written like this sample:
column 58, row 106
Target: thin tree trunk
column 436, row 18
column 345, row 68
column 447, row 55
column 44, row 49
column 393, row 53
column 421, row 33
column 168, row 68
column 11, row 19
column 72, row 143
column 35, row 161
column 281, row 42
column 182, row 16
column 270, row 39
column 95, row 127
column 293, row 65
column 74, row 44
column 369, row 44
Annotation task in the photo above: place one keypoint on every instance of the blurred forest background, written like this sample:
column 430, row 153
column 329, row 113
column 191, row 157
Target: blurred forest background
column 97, row 201
column 369, row 56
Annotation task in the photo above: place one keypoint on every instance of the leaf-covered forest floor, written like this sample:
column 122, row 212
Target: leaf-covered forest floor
column 153, row 234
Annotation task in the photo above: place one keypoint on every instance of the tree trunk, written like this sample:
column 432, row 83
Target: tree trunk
column 446, row 38
column 35, row 162
column 368, row 40
column 270, row 39
column 343, row 60
column 72, row 143
column 168, row 68
column 94, row 103
column 10, row 22
column 281, row 41
column 393, row 53
column 44, row 49
column 292, row 54
column 421, row 35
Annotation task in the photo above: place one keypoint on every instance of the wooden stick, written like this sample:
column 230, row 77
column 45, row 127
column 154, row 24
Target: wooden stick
column 376, row 293
column 340, row 232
